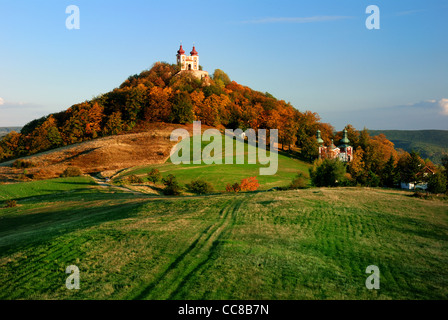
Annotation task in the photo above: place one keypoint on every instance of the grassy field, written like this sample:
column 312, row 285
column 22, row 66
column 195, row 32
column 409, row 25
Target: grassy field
column 220, row 175
column 307, row 244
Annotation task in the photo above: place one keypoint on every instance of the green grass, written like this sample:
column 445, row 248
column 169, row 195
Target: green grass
column 38, row 188
column 220, row 175
column 307, row 244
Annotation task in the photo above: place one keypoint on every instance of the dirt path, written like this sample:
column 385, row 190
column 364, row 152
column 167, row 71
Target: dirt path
column 103, row 183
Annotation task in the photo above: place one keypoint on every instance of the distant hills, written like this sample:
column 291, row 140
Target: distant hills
column 432, row 144
column 5, row 130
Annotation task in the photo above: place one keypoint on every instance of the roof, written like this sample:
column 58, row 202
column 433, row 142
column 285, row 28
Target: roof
column 194, row 52
column 181, row 50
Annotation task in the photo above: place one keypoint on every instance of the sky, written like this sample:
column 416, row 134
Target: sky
column 318, row 55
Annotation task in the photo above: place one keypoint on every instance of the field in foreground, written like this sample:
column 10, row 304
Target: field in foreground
column 307, row 244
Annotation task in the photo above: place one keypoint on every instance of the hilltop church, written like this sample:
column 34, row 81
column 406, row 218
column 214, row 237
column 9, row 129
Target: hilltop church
column 190, row 63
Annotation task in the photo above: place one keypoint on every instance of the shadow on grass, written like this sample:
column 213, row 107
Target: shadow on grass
column 18, row 231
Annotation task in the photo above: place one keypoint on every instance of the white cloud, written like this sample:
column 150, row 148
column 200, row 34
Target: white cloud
column 2, row 101
column 444, row 105
column 298, row 19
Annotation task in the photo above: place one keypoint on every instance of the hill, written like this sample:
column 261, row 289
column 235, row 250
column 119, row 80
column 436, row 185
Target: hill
column 432, row 144
column 160, row 94
column 5, row 130
column 306, row 244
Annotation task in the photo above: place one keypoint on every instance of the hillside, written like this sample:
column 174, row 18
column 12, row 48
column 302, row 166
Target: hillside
column 307, row 244
column 106, row 155
column 432, row 144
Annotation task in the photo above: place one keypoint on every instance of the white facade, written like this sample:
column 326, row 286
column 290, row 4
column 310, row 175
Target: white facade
column 188, row 62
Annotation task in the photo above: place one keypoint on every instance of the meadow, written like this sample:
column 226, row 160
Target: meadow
column 220, row 175
column 301, row 244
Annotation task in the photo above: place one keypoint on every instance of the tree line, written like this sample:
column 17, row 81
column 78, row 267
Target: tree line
column 162, row 94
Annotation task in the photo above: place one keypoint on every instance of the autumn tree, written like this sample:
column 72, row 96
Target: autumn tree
column 158, row 106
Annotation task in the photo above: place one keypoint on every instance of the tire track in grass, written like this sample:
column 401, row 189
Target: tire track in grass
column 170, row 282
column 213, row 246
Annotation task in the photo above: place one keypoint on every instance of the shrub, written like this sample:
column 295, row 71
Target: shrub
column 200, row 186
column 172, row 187
column 71, row 172
column 233, row 187
column 154, row 175
column 11, row 203
column 22, row 164
column 247, row 184
column 299, row 182
column 133, row 179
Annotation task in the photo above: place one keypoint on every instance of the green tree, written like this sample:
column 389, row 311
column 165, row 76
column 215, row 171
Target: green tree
column 172, row 187
column 220, row 75
column 411, row 167
column 445, row 167
column 327, row 173
column 200, row 186
column 437, row 183
column 114, row 124
column 154, row 175
column 389, row 176
column 182, row 111
column 310, row 149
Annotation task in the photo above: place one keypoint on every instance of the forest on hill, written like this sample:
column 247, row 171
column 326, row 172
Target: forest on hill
column 163, row 95
column 431, row 144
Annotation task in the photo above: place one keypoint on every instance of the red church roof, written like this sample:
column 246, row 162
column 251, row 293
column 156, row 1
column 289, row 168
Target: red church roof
column 181, row 51
column 194, row 52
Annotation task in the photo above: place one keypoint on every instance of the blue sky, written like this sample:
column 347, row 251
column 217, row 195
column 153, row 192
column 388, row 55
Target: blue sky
column 318, row 55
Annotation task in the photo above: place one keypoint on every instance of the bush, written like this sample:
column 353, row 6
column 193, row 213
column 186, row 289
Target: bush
column 11, row 203
column 71, row 172
column 233, row 187
column 22, row 164
column 200, row 186
column 172, row 187
column 154, row 175
column 247, row 184
column 299, row 182
column 133, row 179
